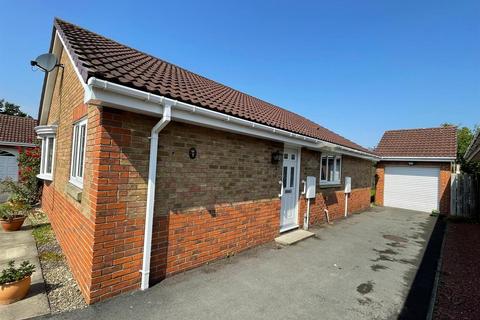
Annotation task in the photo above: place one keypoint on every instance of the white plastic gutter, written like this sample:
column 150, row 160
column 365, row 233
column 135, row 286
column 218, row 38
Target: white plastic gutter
column 139, row 101
column 152, row 175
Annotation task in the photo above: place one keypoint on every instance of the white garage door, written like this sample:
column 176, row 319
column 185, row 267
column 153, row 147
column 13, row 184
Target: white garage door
column 8, row 166
column 414, row 188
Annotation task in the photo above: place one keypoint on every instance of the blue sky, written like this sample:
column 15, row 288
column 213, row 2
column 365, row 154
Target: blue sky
column 356, row 67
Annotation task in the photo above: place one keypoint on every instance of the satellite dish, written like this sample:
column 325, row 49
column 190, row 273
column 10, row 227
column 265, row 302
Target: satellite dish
column 47, row 62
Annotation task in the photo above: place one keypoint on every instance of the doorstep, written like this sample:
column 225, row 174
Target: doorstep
column 293, row 237
column 20, row 246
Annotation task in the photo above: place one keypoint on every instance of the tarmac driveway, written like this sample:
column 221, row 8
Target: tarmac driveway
column 358, row 268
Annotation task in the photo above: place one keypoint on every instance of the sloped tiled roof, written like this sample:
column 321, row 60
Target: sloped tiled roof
column 17, row 129
column 427, row 142
column 100, row 57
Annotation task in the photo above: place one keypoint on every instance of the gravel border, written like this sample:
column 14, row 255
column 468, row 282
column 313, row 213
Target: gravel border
column 62, row 290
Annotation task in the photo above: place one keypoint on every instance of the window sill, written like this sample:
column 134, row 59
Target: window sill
column 74, row 192
column 76, row 184
column 47, row 177
column 330, row 185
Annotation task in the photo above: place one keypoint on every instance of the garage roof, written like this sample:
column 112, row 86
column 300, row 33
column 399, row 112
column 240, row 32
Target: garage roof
column 17, row 130
column 426, row 142
column 103, row 58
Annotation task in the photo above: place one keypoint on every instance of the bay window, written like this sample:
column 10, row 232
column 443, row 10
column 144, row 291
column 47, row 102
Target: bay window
column 46, row 134
column 78, row 153
column 330, row 169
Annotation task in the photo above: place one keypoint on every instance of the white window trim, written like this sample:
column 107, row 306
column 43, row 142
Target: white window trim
column 44, row 133
column 335, row 157
column 76, row 181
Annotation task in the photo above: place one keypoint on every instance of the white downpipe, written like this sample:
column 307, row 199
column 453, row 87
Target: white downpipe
column 152, row 175
column 306, row 224
column 346, row 205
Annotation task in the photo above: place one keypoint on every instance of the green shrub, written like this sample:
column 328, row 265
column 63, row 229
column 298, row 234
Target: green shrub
column 10, row 210
column 12, row 274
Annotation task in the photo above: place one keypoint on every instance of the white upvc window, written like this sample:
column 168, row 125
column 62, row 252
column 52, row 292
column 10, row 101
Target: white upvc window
column 47, row 136
column 330, row 169
column 79, row 142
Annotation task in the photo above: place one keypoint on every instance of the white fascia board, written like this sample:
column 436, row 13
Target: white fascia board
column 77, row 72
column 230, row 126
column 58, row 46
column 129, row 99
column 16, row 144
column 420, row 159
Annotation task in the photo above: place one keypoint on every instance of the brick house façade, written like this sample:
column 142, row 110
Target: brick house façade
column 222, row 159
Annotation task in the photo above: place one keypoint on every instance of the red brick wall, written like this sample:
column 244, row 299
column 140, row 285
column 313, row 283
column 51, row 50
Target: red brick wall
column 444, row 187
column 74, row 232
column 334, row 202
column 186, row 240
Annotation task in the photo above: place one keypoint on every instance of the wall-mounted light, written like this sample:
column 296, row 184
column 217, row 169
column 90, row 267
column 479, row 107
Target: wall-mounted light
column 276, row 156
column 192, row 153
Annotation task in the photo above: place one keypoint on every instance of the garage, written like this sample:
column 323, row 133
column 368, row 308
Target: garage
column 414, row 188
column 8, row 166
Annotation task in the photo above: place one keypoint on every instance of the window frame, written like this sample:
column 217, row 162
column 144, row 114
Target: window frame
column 335, row 158
column 75, row 178
column 44, row 134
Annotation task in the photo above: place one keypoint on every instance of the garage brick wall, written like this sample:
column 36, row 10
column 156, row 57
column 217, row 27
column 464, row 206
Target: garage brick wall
column 444, row 181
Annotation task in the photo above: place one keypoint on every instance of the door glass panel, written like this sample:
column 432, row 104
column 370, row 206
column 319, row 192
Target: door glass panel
column 285, row 172
column 292, row 175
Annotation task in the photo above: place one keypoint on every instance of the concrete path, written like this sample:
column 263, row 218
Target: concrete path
column 359, row 268
column 20, row 246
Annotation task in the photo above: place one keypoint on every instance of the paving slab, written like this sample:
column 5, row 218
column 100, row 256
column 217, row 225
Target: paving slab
column 20, row 246
column 293, row 237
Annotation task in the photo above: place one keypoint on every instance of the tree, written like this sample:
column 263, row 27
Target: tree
column 11, row 109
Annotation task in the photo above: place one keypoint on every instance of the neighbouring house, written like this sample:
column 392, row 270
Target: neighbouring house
column 415, row 168
column 473, row 151
column 150, row 169
column 16, row 133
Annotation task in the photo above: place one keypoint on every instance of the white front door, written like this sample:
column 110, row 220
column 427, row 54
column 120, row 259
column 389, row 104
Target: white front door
column 288, row 214
column 412, row 187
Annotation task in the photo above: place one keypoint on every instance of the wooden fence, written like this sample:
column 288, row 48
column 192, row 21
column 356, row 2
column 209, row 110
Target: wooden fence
column 465, row 199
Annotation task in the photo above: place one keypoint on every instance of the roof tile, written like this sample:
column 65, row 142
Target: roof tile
column 425, row 142
column 17, row 129
column 100, row 57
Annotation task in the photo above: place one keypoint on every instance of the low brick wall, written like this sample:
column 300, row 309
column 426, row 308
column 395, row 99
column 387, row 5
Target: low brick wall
column 334, row 202
column 182, row 241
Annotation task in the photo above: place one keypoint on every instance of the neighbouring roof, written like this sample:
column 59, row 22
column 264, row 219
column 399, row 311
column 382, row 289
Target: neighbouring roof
column 100, row 57
column 15, row 129
column 426, row 142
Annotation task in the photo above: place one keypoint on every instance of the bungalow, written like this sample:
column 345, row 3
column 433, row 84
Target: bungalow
column 415, row 168
column 157, row 170
column 16, row 133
